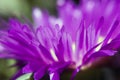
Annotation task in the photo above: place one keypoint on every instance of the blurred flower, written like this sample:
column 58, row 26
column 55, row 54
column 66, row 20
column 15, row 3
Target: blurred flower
column 75, row 39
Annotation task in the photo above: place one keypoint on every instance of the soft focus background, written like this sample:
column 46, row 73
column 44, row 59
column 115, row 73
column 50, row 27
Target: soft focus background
column 107, row 69
column 20, row 8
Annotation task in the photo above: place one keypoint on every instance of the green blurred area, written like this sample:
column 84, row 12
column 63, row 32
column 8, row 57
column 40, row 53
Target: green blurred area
column 14, row 7
column 5, row 70
column 20, row 8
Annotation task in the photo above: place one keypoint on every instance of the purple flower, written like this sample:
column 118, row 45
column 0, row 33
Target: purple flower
column 79, row 35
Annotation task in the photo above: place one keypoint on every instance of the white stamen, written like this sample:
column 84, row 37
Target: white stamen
column 51, row 76
column 53, row 54
column 73, row 47
column 109, row 40
column 100, row 39
column 98, row 48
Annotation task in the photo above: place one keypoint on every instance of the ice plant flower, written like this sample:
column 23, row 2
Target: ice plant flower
column 74, row 39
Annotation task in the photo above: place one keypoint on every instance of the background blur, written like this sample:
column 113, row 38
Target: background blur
column 107, row 69
column 20, row 8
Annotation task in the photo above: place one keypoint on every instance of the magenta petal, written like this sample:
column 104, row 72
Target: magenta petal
column 101, row 53
column 54, row 76
column 45, row 52
column 59, row 66
column 113, row 27
column 39, row 73
column 27, row 69
column 60, row 52
column 113, row 45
